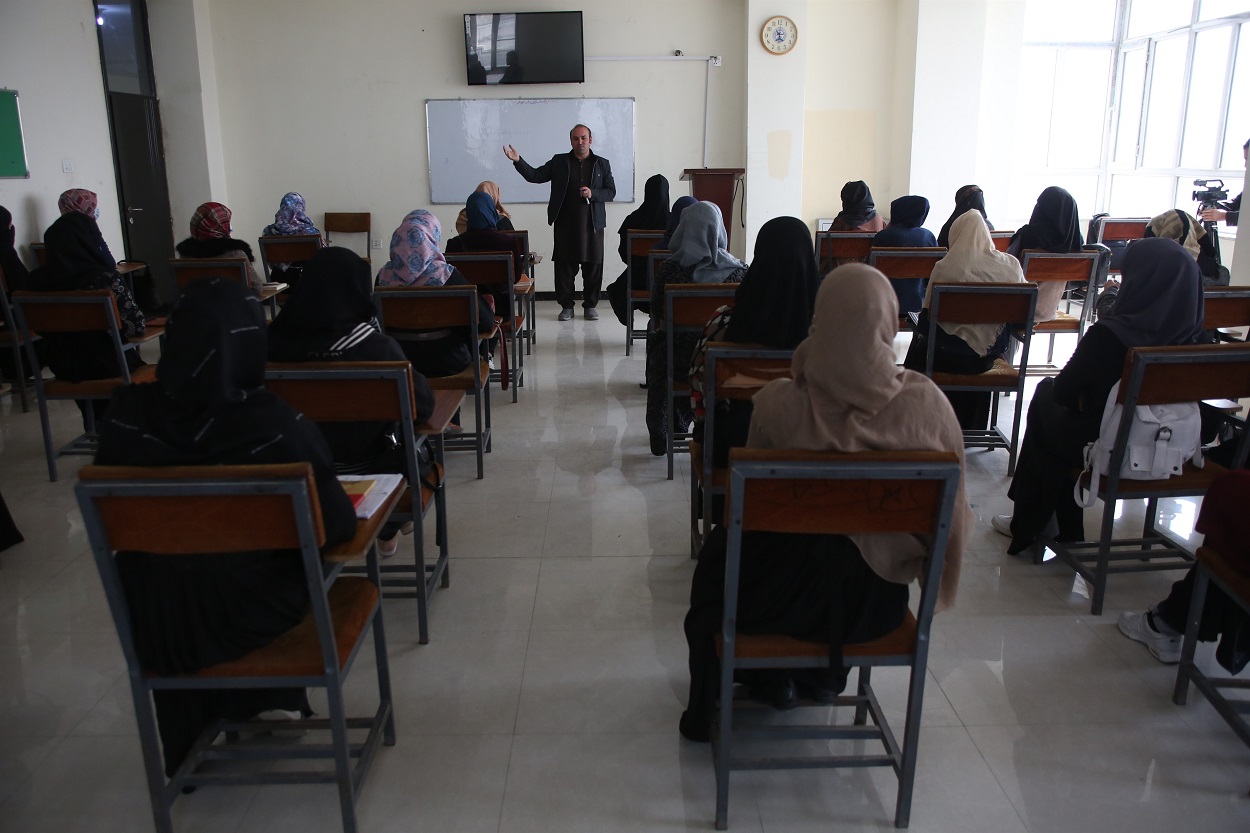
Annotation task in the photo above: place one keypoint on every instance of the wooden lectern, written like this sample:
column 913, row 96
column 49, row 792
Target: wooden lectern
column 716, row 185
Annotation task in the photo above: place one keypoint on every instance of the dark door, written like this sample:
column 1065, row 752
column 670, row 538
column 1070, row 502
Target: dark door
column 142, row 187
column 138, row 152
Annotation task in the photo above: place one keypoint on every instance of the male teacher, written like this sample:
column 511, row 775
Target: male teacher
column 581, row 183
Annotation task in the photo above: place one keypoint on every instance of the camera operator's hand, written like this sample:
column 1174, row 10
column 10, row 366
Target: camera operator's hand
column 1213, row 215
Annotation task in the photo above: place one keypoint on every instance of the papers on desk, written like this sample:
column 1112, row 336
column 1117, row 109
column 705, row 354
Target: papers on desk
column 369, row 491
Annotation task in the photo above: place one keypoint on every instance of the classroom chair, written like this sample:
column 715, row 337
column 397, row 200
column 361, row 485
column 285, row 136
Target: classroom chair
column 732, row 372
column 811, row 492
column 834, row 247
column 195, row 510
column 338, row 392
column 1010, row 304
column 494, row 272
column 294, row 249
column 401, row 310
column 905, row 264
column 349, row 222
column 1226, row 309
column 86, row 311
column 13, row 340
column 1155, row 375
column 188, row 270
column 526, row 288
column 1002, row 239
column 687, row 307
column 638, row 243
column 1051, row 267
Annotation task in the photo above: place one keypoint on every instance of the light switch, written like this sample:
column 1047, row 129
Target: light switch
column 67, row 166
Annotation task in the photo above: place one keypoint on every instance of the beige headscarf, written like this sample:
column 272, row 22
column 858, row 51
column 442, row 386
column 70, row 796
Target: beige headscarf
column 847, row 395
column 1171, row 225
column 486, row 187
column 973, row 259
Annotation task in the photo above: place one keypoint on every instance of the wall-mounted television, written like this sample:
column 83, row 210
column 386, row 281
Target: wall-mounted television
column 524, row 48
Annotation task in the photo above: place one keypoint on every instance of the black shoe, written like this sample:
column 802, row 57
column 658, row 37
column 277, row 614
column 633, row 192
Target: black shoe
column 691, row 729
column 780, row 693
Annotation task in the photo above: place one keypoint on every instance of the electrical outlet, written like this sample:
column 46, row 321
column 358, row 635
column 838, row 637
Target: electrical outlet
column 67, row 166
column 377, row 242
column 716, row 60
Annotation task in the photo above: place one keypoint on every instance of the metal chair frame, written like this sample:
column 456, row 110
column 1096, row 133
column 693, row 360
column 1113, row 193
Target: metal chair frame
column 1155, row 375
column 811, row 492
column 1013, row 305
column 638, row 243
column 113, row 499
column 1225, row 308
column 291, row 248
column 486, row 271
column 445, row 306
column 1059, row 267
column 528, row 292
column 351, row 392
column 15, row 339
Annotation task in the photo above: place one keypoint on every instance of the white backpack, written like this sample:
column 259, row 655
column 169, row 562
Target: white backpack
column 1162, row 438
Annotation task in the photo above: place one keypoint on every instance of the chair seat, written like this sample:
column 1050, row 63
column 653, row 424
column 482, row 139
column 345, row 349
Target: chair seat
column 640, row 295
column 297, row 653
column 97, row 388
column 899, row 642
column 459, row 381
column 1001, row 375
column 1191, row 480
column 1063, row 322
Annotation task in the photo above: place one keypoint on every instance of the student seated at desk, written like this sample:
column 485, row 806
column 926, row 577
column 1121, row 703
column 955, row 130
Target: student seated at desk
column 78, row 259
column 700, row 255
column 772, row 307
column 289, row 220
column 491, row 189
column 968, row 198
column 906, row 229
column 1052, row 227
column 831, row 588
column 210, row 237
column 858, row 213
column 416, row 261
column 209, row 406
column 483, row 235
column 652, row 215
column 966, row 348
column 1160, row 304
column 329, row 317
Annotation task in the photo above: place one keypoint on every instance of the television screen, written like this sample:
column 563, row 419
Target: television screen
column 524, row 48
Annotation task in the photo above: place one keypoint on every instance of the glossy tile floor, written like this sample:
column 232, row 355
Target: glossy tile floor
column 548, row 697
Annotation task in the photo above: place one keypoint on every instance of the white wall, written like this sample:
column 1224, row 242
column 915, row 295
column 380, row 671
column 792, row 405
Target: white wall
column 49, row 54
column 327, row 98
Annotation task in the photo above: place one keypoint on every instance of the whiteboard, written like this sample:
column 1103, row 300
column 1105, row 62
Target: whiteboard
column 465, row 139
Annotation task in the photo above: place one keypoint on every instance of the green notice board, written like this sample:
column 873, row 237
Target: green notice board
column 12, row 148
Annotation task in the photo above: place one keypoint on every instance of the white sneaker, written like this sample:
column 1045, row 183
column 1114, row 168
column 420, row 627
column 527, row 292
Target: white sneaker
column 1162, row 647
column 1002, row 524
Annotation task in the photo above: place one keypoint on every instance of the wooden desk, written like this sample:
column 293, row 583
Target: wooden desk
column 126, row 268
column 366, row 531
column 269, row 293
column 154, row 330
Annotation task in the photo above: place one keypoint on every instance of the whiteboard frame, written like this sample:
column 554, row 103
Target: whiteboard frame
column 512, row 198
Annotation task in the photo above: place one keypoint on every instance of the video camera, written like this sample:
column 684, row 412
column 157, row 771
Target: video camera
column 1213, row 195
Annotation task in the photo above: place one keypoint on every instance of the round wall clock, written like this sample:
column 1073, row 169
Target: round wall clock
column 779, row 35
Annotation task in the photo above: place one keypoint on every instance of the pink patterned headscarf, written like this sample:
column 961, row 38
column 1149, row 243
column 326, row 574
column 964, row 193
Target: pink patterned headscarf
column 80, row 200
column 211, row 220
column 415, row 256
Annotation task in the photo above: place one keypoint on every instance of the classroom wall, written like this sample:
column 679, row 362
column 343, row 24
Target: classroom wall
column 49, row 54
column 327, row 98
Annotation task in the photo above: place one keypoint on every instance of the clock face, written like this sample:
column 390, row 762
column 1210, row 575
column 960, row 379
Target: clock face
column 779, row 35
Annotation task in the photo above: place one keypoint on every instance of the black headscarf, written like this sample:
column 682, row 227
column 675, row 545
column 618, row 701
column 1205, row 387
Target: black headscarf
column 967, row 198
column 652, row 215
column 674, row 217
column 332, row 297
column 77, row 255
column 1160, row 298
column 773, row 304
column 1053, row 227
column 857, row 205
column 14, row 270
column 909, row 212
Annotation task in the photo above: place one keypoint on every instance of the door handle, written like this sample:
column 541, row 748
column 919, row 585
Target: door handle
column 131, row 220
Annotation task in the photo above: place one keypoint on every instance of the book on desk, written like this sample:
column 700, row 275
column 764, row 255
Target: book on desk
column 369, row 491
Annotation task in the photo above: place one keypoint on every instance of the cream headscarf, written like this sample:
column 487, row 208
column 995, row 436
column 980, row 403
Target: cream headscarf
column 973, row 259
column 847, row 395
column 1172, row 225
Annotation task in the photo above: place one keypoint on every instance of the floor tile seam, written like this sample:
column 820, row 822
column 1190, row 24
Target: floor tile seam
column 7, row 803
column 1002, row 788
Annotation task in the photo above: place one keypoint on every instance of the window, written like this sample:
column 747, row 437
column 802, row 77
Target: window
column 1133, row 105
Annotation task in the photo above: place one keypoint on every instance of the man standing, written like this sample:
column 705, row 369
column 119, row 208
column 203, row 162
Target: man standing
column 581, row 183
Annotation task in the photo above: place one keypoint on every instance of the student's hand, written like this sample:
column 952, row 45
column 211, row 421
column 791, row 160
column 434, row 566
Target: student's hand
column 510, row 152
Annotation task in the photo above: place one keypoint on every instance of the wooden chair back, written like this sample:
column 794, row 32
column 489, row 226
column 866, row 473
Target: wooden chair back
column 40, row 250
column 1012, row 304
column 691, row 305
column 137, row 509
column 1114, row 229
column 654, row 258
column 832, row 246
column 1190, row 373
column 1040, row 266
column 346, row 391
column 487, row 270
column 88, row 310
column 188, row 270
column 905, row 263
column 1002, row 239
column 425, row 308
column 348, row 222
column 640, row 242
column 1226, row 307
column 294, row 248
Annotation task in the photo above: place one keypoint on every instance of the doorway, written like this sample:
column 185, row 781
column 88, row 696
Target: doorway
column 138, row 149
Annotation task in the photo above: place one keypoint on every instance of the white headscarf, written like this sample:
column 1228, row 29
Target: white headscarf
column 973, row 259
column 700, row 244
column 847, row 395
